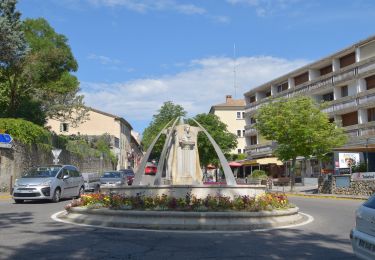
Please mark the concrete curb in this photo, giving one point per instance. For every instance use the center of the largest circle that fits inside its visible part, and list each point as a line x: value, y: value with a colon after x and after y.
x: 4, y: 197
x: 169, y: 220
x: 327, y: 196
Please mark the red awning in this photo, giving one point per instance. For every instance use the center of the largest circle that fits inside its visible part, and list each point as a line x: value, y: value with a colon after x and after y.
x: 235, y: 164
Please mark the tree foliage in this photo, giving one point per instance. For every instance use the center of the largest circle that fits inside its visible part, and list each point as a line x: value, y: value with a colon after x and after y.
x: 13, y: 45
x: 36, y: 66
x: 219, y: 132
x: 299, y: 128
x: 167, y: 112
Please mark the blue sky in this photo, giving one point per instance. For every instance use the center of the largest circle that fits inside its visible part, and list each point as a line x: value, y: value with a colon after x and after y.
x: 134, y: 55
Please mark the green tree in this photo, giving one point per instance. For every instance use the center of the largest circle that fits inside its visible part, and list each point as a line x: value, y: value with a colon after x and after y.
x: 39, y: 83
x: 219, y: 132
x: 13, y: 45
x: 166, y: 113
x: 299, y: 128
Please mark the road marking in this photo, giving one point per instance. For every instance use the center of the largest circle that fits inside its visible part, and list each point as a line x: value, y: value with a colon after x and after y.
x: 309, y: 220
x: 332, y: 197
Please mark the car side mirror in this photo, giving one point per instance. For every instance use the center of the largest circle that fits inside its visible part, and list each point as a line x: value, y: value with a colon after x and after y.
x: 66, y: 177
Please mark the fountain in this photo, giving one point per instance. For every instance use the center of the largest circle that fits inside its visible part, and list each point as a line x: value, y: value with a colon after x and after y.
x: 179, y: 177
x: 179, y: 170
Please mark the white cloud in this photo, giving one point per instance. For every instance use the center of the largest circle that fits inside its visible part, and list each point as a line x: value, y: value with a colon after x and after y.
x: 266, y: 7
x: 104, y: 60
x: 204, y: 83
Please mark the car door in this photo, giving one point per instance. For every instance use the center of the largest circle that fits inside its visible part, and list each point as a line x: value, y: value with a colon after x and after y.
x: 67, y: 183
x: 75, y: 180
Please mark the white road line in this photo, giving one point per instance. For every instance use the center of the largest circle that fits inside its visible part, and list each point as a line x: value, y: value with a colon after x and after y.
x: 309, y: 220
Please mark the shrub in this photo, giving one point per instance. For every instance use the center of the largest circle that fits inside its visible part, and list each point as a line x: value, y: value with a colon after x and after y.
x: 259, y: 174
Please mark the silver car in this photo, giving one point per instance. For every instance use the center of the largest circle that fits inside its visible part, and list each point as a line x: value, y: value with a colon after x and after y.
x: 363, y: 235
x: 51, y: 182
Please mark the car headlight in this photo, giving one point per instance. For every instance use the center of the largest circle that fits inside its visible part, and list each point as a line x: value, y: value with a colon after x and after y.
x: 46, y: 183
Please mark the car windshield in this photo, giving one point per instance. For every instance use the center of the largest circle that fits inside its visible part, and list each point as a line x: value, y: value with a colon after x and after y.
x: 42, y: 172
x: 112, y: 175
x: 370, y: 203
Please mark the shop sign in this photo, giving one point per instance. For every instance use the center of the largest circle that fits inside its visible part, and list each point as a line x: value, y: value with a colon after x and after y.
x: 346, y: 160
x: 363, y: 176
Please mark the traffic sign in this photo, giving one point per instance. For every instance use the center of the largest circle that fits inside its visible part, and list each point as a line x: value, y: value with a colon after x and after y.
x: 5, y: 139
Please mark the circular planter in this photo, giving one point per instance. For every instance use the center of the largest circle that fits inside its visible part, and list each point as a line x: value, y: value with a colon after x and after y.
x: 175, y: 220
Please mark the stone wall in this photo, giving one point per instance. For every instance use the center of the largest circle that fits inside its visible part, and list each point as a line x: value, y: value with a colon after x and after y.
x: 361, y: 188
x: 14, y: 161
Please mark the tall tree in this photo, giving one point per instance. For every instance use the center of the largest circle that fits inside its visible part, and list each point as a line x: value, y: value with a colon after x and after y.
x: 299, y: 128
x: 38, y: 83
x: 219, y: 132
x: 13, y: 45
x: 167, y: 112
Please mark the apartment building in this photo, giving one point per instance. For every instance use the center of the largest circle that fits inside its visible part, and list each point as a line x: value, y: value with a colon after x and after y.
x: 346, y: 82
x: 232, y: 114
x: 123, y: 144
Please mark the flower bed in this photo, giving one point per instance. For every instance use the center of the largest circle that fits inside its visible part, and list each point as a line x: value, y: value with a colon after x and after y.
x: 268, y: 201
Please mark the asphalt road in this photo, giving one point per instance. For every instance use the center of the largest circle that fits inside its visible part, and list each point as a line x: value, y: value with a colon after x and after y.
x: 28, y: 232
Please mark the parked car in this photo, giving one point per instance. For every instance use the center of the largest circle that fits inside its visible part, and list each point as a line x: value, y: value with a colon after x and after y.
x: 151, y: 169
x: 113, y: 178
x: 129, y: 175
x: 51, y: 182
x: 363, y: 235
x: 91, y: 181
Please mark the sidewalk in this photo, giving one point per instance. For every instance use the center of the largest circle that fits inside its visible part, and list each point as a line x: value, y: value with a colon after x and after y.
x: 312, y: 192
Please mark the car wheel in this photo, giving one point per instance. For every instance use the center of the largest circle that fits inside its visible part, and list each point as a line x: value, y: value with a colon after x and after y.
x: 81, y: 191
x: 18, y: 201
x: 56, y: 195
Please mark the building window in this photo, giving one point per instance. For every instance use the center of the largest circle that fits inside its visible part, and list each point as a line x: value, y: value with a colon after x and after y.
x: 253, y: 140
x: 117, y: 142
x: 326, y: 70
x: 238, y: 115
x: 282, y: 87
x: 268, y: 93
x: 347, y: 60
x: 238, y: 151
x: 344, y: 91
x: 239, y: 133
x: 252, y: 120
x: 301, y: 79
x: 64, y: 127
x: 327, y: 97
x: 370, y: 82
x: 243, y: 114
x: 243, y: 132
x: 349, y: 119
x: 371, y: 114
x: 331, y: 120
x: 252, y: 99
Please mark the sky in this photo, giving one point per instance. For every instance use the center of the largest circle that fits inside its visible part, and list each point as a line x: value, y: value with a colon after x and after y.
x: 134, y: 55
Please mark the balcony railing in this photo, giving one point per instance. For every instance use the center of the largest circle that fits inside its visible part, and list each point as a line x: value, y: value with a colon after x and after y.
x: 355, y: 70
x: 250, y: 132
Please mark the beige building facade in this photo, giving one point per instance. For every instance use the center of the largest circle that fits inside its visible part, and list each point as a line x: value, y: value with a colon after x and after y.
x: 123, y: 145
x: 345, y: 81
x: 232, y: 114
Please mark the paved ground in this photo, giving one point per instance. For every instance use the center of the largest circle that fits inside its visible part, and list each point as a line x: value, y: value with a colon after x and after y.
x: 28, y: 232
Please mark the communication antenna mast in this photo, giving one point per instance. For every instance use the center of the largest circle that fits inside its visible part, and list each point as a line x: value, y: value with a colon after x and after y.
x: 234, y: 70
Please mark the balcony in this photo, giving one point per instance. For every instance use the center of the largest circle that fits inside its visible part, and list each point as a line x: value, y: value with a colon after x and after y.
x: 359, y: 69
x: 260, y: 149
x: 250, y: 132
x: 340, y: 104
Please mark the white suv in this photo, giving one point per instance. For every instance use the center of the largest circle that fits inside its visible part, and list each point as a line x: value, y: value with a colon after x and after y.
x: 51, y: 182
x: 363, y: 235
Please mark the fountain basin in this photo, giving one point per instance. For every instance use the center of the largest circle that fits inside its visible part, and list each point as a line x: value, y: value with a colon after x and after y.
x: 180, y: 191
x: 175, y: 220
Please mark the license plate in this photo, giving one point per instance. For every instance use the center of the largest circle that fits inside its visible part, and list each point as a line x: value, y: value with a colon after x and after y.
x: 366, y: 245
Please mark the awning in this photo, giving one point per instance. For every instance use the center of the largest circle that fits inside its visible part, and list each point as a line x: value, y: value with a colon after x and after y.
x: 263, y: 161
x: 235, y: 164
x: 358, y: 148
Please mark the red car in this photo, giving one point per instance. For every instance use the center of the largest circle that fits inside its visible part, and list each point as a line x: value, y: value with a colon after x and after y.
x: 151, y: 169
